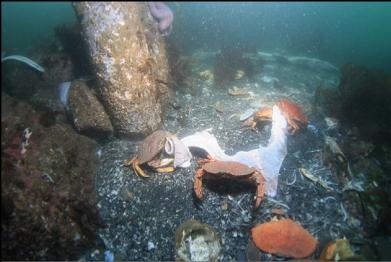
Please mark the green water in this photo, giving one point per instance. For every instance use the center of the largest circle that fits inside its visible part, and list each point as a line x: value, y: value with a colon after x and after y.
x: 338, y: 32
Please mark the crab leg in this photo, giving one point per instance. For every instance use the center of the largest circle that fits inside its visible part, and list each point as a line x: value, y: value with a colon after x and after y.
x: 198, y: 183
x: 137, y: 169
x: 207, y: 160
x: 293, y: 125
x: 260, y: 188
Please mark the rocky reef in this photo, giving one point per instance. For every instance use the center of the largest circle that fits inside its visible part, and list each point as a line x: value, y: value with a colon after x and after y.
x: 48, y: 200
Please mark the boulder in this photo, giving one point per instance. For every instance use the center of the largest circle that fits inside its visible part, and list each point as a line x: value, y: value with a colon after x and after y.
x: 89, y: 116
x: 48, y: 199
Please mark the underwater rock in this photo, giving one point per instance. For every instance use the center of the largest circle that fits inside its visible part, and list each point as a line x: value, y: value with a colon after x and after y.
x: 89, y: 116
x: 19, y: 80
x: 284, y: 238
x: 366, y: 97
x: 227, y: 64
x: 196, y: 242
x: 48, y: 195
x: 129, y: 58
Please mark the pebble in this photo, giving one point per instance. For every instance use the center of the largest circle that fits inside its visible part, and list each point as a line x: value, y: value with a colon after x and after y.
x: 150, y: 245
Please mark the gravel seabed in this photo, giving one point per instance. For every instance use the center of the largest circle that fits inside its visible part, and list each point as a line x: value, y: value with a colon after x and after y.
x: 143, y: 214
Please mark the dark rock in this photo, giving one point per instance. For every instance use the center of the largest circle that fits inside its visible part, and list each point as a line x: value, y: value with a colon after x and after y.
x: 48, y: 191
x: 18, y: 79
x: 89, y: 116
x: 366, y: 99
x: 228, y: 62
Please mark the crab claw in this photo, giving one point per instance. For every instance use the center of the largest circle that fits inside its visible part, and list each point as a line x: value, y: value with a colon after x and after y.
x: 198, y: 183
x: 137, y: 169
x: 260, y: 180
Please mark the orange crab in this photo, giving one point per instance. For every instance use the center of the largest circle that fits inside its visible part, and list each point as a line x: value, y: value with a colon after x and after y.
x: 291, y: 111
x: 231, y: 170
x: 147, y: 151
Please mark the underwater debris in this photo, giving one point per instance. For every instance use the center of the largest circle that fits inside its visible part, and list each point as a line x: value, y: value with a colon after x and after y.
x: 25, y: 60
x: 311, y: 177
x: 337, y: 250
x: 206, y: 75
x: 246, y: 114
x: 63, y: 93
x: 277, y: 202
x: 269, y: 79
x: 218, y: 106
x: 331, y: 122
x: 284, y: 238
x: 196, y: 242
x: 334, y: 157
x: 109, y: 256
x: 236, y: 91
x: 239, y: 74
x: 354, y: 185
x: 176, y: 147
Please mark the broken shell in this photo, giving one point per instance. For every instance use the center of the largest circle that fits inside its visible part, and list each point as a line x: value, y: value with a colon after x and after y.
x: 239, y: 74
x: 167, y: 169
x: 219, y: 107
x: 176, y: 147
x: 284, y: 238
x: 206, y: 75
x: 336, y: 250
x: 169, y: 146
x: 159, y: 163
x: 332, y: 151
x: 235, y: 91
x: 332, y: 123
x: 247, y: 114
x: 196, y: 242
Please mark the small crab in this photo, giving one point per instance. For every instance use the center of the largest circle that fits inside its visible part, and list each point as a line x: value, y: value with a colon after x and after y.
x: 291, y: 111
x: 231, y: 170
x: 147, y: 152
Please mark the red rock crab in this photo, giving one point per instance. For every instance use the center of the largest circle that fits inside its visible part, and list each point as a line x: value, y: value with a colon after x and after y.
x: 147, y: 152
x: 231, y: 170
x: 284, y: 237
x: 291, y: 111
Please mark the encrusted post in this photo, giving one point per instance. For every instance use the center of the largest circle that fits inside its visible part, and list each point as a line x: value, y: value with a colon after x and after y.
x: 128, y: 56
